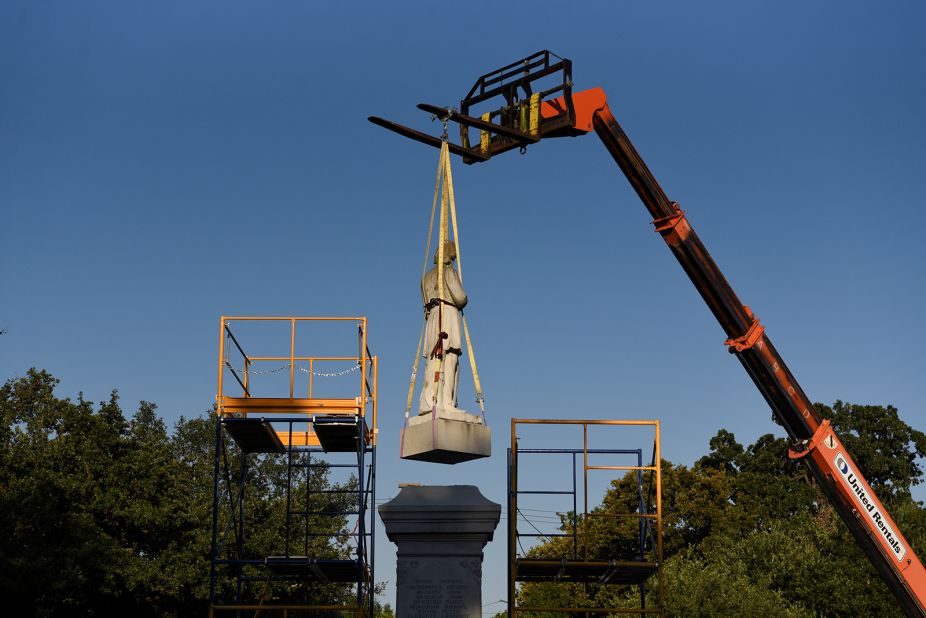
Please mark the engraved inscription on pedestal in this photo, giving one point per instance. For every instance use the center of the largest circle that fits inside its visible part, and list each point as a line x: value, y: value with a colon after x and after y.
x: 440, y: 533
x: 437, y: 587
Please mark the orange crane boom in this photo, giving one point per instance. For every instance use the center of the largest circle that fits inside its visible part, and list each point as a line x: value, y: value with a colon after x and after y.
x: 815, y: 442
x: 530, y: 114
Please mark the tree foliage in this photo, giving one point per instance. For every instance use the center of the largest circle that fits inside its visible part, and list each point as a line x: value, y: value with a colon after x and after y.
x: 748, y: 533
x: 104, y: 515
x: 886, y: 449
x: 108, y: 515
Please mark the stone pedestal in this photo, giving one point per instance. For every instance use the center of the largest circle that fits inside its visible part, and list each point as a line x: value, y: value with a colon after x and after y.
x: 440, y: 532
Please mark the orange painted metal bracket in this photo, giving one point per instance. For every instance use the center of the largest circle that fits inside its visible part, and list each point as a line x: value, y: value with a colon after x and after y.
x: 585, y: 103
x: 674, y: 228
x: 751, y: 337
x: 805, y: 447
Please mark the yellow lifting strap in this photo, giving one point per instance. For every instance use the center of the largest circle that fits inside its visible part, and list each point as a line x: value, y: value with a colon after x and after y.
x: 441, y: 245
x: 448, y: 190
x: 411, y: 382
x: 456, y: 235
x: 472, y: 363
x: 424, y: 270
x: 444, y: 188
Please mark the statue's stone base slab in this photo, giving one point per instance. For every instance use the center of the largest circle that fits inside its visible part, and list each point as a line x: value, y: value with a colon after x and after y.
x: 449, y: 437
x: 440, y: 532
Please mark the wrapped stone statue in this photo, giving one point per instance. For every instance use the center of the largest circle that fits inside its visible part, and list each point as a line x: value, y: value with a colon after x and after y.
x: 441, y: 432
x: 443, y: 341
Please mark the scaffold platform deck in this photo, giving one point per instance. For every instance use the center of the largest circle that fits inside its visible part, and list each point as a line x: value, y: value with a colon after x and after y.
x: 309, y: 569
x: 576, y: 559
x: 588, y: 571
x: 337, y: 434
x: 254, y: 435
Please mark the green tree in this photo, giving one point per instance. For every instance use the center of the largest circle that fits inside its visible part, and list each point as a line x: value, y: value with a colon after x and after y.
x: 57, y: 557
x: 886, y: 449
x: 748, y: 533
x: 107, y: 516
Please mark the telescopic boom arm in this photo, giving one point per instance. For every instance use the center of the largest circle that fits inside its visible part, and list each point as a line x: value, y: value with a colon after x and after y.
x: 528, y: 116
x: 815, y: 442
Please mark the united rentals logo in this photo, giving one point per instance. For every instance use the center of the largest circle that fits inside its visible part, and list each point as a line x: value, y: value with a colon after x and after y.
x: 866, y: 502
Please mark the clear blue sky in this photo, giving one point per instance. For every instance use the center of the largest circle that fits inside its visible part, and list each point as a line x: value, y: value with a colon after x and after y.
x: 164, y: 163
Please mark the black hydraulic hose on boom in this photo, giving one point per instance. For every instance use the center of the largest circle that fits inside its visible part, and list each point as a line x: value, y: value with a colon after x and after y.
x: 748, y: 341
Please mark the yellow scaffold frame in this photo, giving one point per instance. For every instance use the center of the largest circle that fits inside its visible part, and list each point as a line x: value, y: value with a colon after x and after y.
x: 586, y: 562
x: 245, y: 404
x: 291, y: 408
